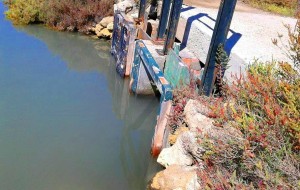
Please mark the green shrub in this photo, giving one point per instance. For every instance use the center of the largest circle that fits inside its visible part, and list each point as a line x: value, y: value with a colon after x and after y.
x: 76, y: 14
x: 264, y: 105
x: 25, y: 11
x: 60, y: 14
x: 283, y: 7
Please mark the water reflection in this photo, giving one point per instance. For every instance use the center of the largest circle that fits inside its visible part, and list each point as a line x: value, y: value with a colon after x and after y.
x: 136, y: 114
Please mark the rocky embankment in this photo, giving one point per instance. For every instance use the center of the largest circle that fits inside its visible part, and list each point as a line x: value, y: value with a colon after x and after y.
x: 104, y: 28
x: 184, y: 159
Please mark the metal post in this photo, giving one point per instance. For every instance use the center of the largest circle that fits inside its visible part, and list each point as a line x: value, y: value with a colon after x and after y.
x: 222, y: 26
x: 142, y: 10
x: 165, y: 10
x: 173, y: 23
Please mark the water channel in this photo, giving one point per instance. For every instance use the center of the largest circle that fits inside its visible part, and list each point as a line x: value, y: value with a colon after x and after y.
x: 67, y: 121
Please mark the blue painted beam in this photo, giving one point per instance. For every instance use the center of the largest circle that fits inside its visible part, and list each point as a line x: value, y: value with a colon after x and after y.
x: 220, y: 33
x: 142, y: 55
x: 142, y: 10
x: 173, y: 23
x: 163, y: 22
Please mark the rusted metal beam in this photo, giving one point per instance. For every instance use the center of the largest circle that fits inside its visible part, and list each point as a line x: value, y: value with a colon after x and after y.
x: 142, y: 10
x: 164, y: 16
x: 173, y: 23
x: 220, y: 33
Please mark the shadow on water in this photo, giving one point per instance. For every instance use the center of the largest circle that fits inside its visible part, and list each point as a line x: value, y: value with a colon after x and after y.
x: 81, y: 54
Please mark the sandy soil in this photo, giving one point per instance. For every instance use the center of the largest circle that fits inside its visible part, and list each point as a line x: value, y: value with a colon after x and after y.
x: 214, y: 4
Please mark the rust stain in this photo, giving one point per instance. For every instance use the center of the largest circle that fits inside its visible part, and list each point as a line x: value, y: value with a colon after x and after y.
x: 141, y: 44
x: 163, y: 80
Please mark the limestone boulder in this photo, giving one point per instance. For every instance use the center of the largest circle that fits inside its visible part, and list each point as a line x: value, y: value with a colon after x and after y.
x: 106, y: 20
x: 97, y: 29
x: 202, y: 125
x: 178, y: 153
x: 110, y: 26
x: 195, y: 118
x: 104, y: 33
x: 173, y: 137
x: 175, y: 177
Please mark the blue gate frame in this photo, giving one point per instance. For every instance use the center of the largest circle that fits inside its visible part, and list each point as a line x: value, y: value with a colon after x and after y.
x: 124, y: 35
x: 144, y: 57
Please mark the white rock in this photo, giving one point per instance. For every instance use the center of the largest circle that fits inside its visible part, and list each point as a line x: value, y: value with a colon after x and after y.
x: 106, y: 20
x: 195, y: 119
x: 175, y: 177
x: 105, y: 33
x: 110, y: 26
x: 98, y: 28
x: 177, y: 154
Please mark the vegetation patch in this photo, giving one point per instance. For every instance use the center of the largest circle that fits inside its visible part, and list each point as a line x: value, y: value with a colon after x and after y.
x: 282, y: 7
x: 264, y: 106
x: 71, y: 15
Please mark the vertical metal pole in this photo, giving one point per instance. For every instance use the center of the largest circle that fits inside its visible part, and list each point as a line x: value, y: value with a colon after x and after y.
x: 165, y: 10
x: 173, y: 23
x: 142, y: 10
x: 222, y: 26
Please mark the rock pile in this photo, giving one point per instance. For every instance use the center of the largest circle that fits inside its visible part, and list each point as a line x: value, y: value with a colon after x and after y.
x: 104, y: 28
x: 179, y: 159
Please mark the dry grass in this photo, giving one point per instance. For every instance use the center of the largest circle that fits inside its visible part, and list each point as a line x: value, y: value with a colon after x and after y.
x: 282, y: 7
x: 69, y: 15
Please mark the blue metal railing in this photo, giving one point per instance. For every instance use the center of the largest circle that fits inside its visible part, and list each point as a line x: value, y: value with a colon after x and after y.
x: 143, y: 57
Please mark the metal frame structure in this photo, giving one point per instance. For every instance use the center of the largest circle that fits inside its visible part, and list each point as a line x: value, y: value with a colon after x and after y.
x: 220, y: 33
x: 172, y: 27
x: 164, y: 18
x: 122, y: 46
x: 169, y: 22
x: 143, y: 57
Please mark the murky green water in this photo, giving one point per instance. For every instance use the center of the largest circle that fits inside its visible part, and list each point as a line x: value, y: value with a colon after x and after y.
x: 67, y: 121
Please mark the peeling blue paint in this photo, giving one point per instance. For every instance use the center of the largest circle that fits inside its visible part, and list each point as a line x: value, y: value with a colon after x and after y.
x: 142, y: 55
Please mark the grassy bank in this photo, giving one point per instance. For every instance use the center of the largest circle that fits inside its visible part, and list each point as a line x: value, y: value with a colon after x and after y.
x: 71, y: 15
x: 282, y: 7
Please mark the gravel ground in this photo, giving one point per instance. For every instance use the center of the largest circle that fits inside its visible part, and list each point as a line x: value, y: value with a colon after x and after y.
x: 241, y: 7
x: 257, y: 28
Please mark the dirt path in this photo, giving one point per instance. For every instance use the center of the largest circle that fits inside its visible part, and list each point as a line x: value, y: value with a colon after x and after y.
x: 241, y: 7
x: 251, y: 34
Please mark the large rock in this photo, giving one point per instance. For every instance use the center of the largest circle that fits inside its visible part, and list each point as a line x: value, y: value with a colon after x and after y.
x: 178, y: 153
x: 106, y: 20
x: 195, y: 118
x: 175, y: 177
x: 98, y: 29
x: 179, y: 131
x: 105, y: 33
x: 202, y: 125
x: 110, y: 26
x: 126, y: 5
